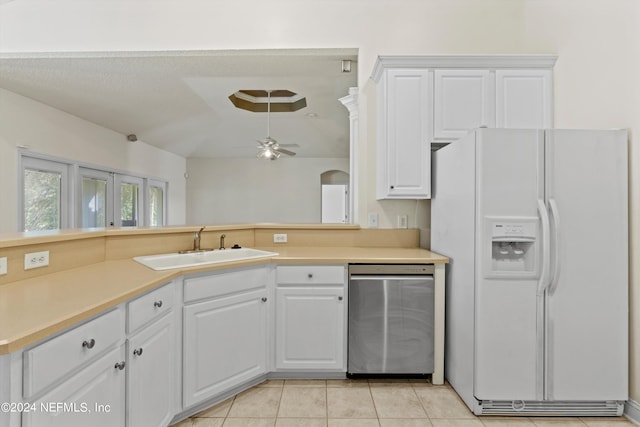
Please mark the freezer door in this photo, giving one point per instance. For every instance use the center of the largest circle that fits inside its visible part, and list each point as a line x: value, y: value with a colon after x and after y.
x: 390, y: 325
x: 587, y: 324
x: 508, y: 335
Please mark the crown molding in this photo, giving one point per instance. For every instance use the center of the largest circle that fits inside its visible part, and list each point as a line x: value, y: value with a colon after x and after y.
x: 461, y: 61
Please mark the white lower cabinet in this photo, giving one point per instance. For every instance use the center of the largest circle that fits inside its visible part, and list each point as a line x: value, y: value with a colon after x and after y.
x: 89, y: 376
x: 310, y: 318
x: 151, y: 375
x: 94, y: 397
x: 225, y: 336
x: 124, y: 368
x: 309, y: 328
x: 151, y: 359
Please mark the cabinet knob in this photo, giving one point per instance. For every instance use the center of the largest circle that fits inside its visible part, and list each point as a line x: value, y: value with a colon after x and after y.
x: 157, y: 304
x: 120, y: 365
x: 391, y: 187
x: 310, y: 275
x: 340, y: 298
x: 138, y: 351
x: 89, y: 344
x: 264, y: 299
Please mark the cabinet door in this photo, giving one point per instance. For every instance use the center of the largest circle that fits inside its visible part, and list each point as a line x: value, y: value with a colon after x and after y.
x: 310, y: 328
x: 151, y: 379
x: 404, y: 136
x: 523, y: 99
x: 225, y: 344
x: 94, y: 397
x: 463, y: 100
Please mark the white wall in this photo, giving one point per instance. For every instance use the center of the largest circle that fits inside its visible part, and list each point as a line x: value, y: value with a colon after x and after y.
x: 223, y: 191
x: 596, y: 82
x: 46, y: 130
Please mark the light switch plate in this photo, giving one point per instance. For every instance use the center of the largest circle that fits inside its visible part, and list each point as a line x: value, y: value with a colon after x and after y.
x: 403, y: 221
x: 373, y: 220
x: 3, y: 265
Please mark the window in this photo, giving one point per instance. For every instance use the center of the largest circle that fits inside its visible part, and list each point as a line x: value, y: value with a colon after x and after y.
x: 129, y: 209
x: 55, y: 194
x: 45, y: 195
x: 96, y: 198
x: 156, y: 202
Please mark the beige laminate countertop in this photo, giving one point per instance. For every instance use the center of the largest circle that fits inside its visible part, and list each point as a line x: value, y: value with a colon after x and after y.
x: 36, y: 308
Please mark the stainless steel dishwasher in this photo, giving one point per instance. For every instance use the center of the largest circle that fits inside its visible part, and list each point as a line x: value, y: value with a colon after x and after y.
x: 390, y: 320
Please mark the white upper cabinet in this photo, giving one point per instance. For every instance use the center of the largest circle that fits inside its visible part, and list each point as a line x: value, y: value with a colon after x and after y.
x: 463, y: 100
x: 404, y: 127
x: 523, y: 99
x: 437, y: 99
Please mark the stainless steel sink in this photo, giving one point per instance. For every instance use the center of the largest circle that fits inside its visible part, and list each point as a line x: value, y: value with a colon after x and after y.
x: 201, y: 257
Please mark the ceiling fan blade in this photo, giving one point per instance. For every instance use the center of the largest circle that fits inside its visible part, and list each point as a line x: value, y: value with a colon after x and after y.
x: 285, y: 151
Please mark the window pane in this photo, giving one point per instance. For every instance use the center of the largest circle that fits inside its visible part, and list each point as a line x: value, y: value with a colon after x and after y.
x: 94, y: 207
x: 156, y: 206
x: 42, y: 193
x: 129, y: 204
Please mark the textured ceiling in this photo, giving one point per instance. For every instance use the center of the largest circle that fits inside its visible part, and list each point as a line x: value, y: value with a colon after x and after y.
x: 178, y: 100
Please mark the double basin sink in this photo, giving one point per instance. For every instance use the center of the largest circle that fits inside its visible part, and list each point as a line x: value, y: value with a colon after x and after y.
x: 197, y: 258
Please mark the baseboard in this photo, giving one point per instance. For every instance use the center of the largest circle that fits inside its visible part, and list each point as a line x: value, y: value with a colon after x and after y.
x: 632, y: 411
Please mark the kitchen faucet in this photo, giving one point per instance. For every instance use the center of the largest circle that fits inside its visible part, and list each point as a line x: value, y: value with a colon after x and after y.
x: 222, y: 241
x: 196, y: 239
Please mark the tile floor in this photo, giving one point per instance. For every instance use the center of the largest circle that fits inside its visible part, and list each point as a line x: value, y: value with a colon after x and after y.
x: 362, y: 403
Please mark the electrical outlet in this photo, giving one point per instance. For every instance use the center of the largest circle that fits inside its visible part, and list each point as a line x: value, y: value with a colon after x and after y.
x: 403, y: 221
x: 279, y: 238
x: 36, y: 260
x: 373, y: 220
x: 3, y: 265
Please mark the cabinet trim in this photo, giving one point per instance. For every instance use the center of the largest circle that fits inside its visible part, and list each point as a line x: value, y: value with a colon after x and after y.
x: 460, y: 61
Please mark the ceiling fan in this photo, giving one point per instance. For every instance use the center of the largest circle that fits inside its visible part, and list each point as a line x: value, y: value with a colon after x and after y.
x: 269, y: 147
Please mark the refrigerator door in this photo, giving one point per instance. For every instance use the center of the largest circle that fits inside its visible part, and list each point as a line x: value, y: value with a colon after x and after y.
x: 586, y: 186
x: 508, y: 315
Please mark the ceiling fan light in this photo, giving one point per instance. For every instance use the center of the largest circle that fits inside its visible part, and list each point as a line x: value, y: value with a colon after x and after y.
x: 272, y: 154
x: 268, y: 153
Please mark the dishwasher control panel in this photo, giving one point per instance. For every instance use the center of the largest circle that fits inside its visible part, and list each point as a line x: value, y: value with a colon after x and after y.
x: 409, y: 269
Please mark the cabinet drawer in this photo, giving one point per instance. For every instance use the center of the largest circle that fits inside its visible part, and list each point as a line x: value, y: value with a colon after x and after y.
x: 149, y: 307
x: 224, y: 283
x: 52, y: 360
x: 313, y: 275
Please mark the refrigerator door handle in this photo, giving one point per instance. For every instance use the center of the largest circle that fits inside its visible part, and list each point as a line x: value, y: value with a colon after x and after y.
x: 556, y: 241
x: 543, y: 283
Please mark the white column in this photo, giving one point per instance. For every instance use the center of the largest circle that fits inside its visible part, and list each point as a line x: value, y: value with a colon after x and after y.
x: 351, y: 103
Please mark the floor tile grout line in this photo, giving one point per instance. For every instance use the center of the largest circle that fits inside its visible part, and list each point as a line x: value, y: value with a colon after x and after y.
x: 279, y: 403
x: 413, y: 387
x: 326, y: 402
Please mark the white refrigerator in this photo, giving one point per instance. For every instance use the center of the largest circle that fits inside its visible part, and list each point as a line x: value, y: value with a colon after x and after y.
x: 535, y: 224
